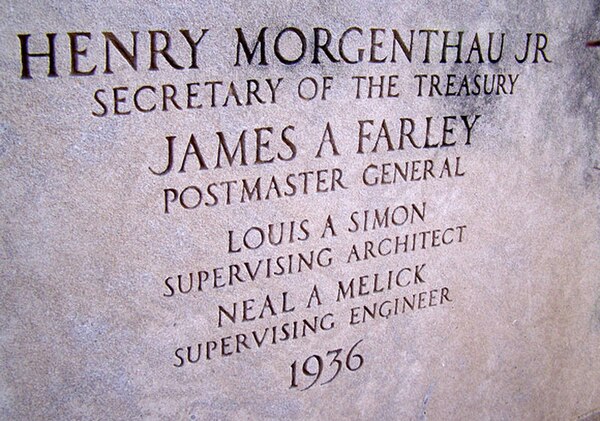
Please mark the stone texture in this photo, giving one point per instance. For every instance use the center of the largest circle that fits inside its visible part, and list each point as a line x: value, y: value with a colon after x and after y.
x: 86, y: 329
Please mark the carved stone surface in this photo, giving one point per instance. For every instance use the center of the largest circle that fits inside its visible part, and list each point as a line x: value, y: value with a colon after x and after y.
x: 315, y: 210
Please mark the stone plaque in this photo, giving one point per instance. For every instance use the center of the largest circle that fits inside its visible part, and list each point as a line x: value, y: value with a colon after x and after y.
x: 285, y: 210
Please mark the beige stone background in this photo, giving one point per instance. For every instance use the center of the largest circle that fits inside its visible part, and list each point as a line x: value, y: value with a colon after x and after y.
x: 85, y: 332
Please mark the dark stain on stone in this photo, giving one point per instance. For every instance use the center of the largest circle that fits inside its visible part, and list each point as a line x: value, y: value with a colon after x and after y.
x: 591, y: 416
x: 585, y: 85
x: 422, y: 416
x: 596, y: 315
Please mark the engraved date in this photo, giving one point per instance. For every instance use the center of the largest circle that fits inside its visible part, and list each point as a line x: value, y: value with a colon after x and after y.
x: 313, y: 368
